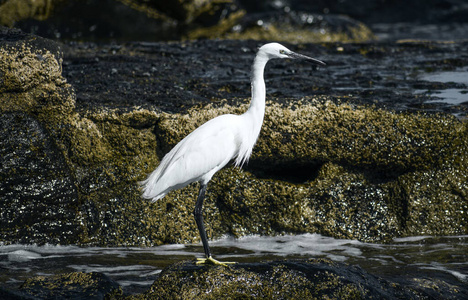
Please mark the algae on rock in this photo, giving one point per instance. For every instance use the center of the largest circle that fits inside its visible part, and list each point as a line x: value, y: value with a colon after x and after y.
x: 76, y: 285
x: 319, y: 166
x: 66, y: 159
x: 353, y: 160
x: 312, y: 279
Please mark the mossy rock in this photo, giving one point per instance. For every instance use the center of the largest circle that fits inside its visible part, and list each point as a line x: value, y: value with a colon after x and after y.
x: 312, y: 279
x: 31, y: 75
x: 356, y: 174
x: 12, y: 11
x: 285, y: 279
x: 319, y: 166
x: 330, y: 28
x: 76, y: 285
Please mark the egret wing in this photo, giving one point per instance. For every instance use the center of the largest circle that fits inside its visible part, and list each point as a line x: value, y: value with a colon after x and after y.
x: 196, y: 158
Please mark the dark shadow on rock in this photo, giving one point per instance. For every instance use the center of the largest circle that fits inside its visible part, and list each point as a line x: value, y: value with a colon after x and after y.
x: 292, y: 172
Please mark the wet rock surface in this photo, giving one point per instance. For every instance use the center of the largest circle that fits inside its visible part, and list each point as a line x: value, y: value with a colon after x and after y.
x: 177, y: 76
x: 75, y: 285
x: 300, y: 21
x: 345, y: 151
x: 308, y: 279
x: 175, y: 20
x: 312, y: 279
x: 36, y: 181
x: 357, y: 150
x: 286, y: 279
x: 36, y: 184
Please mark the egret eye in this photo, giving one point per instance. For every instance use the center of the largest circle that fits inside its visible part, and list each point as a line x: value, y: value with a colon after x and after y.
x: 282, y: 51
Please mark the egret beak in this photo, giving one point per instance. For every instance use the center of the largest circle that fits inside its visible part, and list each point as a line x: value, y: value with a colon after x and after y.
x: 295, y: 55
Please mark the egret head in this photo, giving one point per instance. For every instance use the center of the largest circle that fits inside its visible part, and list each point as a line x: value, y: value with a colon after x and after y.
x: 275, y: 50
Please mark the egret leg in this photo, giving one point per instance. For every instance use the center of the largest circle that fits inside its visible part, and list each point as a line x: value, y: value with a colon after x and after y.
x: 198, y: 214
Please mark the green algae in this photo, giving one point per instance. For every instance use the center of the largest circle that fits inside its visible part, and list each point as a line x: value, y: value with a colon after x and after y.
x: 312, y: 279
x: 366, y: 157
x: 71, y: 285
x: 363, y: 159
x: 12, y: 11
x: 362, y: 137
x: 287, y: 33
x: 365, y: 173
x: 368, y: 164
x: 185, y: 11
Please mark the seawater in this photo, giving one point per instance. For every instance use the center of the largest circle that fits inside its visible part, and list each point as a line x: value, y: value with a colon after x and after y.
x: 451, y: 96
x: 135, y: 269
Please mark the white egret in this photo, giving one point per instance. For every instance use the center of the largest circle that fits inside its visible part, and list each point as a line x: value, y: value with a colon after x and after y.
x: 211, y: 146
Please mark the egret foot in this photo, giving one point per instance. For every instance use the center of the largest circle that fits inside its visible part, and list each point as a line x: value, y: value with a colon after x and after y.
x: 211, y: 260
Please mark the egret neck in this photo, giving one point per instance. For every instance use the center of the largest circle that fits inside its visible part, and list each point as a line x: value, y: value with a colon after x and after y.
x: 253, y: 117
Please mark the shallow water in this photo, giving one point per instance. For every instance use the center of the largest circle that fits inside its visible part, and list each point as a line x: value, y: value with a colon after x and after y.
x: 451, y: 96
x: 135, y: 269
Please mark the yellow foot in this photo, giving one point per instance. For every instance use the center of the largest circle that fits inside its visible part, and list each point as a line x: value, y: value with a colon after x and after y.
x: 211, y: 260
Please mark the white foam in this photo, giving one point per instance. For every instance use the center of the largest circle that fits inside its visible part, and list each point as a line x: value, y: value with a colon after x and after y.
x: 126, y: 283
x: 54, y: 251
x: 22, y: 256
x: 303, y: 245
x: 133, y: 263
x: 439, y: 267
x: 155, y: 272
x: 411, y: 239
x: 128, y: 270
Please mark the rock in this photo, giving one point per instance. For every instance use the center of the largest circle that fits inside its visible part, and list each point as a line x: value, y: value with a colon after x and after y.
x: 141, y: 20
x: 293, y: 21
x: 286, y: 279
x: 14, y: 295
x: 185, y: 11
x: 147, y: 20
x: 310, y: 279
x: 37, y: 190
x: 12, y: 11
x: 75, y: 285
x: 370, y: 196
x: 370, y: 164
x: 32, y: 68
x: 299, y: 27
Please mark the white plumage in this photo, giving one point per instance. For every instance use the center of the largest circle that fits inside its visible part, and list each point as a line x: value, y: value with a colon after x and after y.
x: 197, y: 157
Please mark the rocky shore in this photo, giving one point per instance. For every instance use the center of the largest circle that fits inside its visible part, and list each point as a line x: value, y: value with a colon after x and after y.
x: 290, y: 279
x: 82, y: 124
x: 351, y: 150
